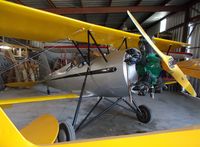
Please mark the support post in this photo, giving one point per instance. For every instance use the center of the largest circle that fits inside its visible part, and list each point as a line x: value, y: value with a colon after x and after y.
x: 88, y: 37
x: 185, y: 27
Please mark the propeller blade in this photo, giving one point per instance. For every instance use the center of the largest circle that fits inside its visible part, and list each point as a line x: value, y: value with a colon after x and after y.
x: 169, y: 65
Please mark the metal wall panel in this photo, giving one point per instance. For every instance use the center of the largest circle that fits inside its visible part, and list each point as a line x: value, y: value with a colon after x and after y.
x: 175, y: 19
x: 195, y: 42
x: 195, y: 10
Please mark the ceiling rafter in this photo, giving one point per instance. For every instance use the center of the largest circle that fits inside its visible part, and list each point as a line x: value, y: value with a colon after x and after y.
x: 106, y: 18
x: 103, y: 10
x: 51, y: 3
x: 126, y: 18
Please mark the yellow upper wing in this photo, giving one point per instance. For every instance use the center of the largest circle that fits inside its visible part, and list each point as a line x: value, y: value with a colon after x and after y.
x: 190, y: 67
x: 164, y: 44
x: 27, y: 23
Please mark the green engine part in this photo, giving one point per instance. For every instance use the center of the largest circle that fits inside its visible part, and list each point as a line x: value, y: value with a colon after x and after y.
x: 152, y: 68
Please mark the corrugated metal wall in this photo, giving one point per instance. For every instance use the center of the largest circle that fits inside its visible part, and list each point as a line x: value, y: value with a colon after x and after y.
x: 195, y: 42
x: 173, y: 21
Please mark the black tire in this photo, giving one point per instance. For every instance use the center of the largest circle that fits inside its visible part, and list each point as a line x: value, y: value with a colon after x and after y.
x: 66, y: 132
x: 145, y: 117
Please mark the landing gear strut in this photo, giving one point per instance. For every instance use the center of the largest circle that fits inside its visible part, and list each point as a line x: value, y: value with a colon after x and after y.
x: 142, y: 112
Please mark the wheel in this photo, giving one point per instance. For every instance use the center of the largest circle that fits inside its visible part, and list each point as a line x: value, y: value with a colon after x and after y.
x: 66, y: 132
x: 145, y: 117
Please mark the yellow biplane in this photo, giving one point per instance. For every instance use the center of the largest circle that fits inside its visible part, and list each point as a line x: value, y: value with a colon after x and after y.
x: 119, y: 68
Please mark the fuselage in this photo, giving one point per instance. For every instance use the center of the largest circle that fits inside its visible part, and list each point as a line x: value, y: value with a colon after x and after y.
x: 107, y: 79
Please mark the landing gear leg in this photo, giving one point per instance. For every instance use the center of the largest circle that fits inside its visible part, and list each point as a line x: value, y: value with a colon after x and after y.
x: 48, y: 90
x: 142, y: 112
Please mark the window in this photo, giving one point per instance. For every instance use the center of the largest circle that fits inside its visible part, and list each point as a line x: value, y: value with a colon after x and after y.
x: 163, y: 24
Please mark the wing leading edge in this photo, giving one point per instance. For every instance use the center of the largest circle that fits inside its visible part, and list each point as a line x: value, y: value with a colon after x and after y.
x: 11, y: 101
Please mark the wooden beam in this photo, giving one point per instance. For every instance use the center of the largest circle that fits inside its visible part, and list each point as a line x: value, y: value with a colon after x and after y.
x: 51, y: 3
x: 103, y: 10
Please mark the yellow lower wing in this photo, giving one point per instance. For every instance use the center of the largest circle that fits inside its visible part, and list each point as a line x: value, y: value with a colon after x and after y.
x: 11, y: 137
x: 21, y: 84
x: 9, y: 101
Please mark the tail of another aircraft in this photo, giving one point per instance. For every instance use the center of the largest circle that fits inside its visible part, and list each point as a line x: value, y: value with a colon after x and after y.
x: 44, y: 67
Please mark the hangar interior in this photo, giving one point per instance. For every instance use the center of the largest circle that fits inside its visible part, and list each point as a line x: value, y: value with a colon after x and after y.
x: 176, y: 20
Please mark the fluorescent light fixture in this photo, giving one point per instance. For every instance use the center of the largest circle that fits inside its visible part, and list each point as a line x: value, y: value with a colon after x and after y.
x: 163, y: 24
x: 5, y: 47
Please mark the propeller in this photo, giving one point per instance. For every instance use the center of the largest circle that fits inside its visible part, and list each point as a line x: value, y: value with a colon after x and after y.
x: 168, y: 61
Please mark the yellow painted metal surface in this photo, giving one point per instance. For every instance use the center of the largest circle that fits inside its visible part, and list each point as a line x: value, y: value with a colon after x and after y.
x: 9, y: 101
x: 6, y: 106
x: 33, y: 24
x: 21, y: 84
x: 190, y: 67
x: 170, y: 82
x: 11, y: 137
x: 43, y: 130
x: 175, y: 71
x: 164, y: 44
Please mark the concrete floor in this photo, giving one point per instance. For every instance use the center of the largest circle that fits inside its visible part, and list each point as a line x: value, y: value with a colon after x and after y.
x: 169, y: 110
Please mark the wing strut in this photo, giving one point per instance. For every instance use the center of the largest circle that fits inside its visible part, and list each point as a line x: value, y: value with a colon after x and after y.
x: 124, y: 41
x: 92, y: 37
x: 80, y: 99
x: 77, y: 47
